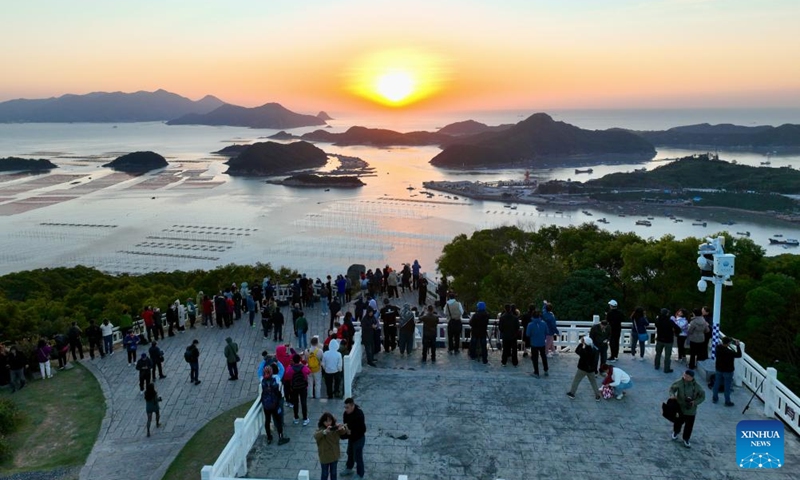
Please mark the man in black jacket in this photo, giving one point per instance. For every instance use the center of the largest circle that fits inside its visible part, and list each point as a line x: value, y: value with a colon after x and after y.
x: 354, y: 419
x: 157, y: 359
x: 95, y: 336
x: 666, y: 330
x: 144, y: 366
x: 615, y: 319
x: 509, y: 328
x: 192, y: 356
x: 74, y: 334
x: 586, y: 365
x: 479, y: 325
x: 16, y: 364
x: 725, y: 356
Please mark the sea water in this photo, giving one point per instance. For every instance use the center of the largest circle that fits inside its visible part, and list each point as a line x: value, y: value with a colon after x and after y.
x: 137, y: 227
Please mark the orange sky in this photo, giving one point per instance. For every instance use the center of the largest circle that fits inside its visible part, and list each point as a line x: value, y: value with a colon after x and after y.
x: 311, y: 55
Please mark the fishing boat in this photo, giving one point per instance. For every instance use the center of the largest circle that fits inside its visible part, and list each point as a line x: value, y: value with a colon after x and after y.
x: 789, y: 241
x: 745, y: 234
x: 587, y: 213
x: 588, y: 170
x: 645, y: 223
x: 699, y: 224
x: 602, y: 220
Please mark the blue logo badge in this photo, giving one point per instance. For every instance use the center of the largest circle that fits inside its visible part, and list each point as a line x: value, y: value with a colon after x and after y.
x: 759, y: 444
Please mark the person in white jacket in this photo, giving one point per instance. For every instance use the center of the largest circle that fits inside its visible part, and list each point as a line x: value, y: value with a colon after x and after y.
x: 181, y: 316
x: 332, y: 367
x: 618, y: 379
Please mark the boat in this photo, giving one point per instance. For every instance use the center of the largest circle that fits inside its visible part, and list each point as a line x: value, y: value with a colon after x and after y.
x: 508, y: 205
x: 746, y: 234
x: 513, y: 207
x: 789, y: 241
x: 587, y: 213
x: 643, y: 169
x: 559, y: 212
x: 539, y: 209
x: 327, y: 189
x: 699, y: 224
x: 588, y: 170
x: 767, y: 163
x: 651, y: 218
x: 602, y: 220
x: 410, y: 188
x: 645, y: 223
x: 778, y: 235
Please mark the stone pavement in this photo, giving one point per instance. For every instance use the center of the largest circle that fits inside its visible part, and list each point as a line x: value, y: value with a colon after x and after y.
x: 459, y: 419
x: 122, y: 449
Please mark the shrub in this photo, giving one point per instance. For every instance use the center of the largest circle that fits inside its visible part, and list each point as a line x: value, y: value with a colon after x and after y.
x: 10, y: 417
x: 5, y: 449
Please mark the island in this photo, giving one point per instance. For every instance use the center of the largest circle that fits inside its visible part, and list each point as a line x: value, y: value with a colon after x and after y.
x: 16, y: 164
x: 376, y: 137
x: 324, y: 116
x: 699, y: 181
x: 763, y: 137
x: 272, y: 158
x: 540, y: 141
x: 138, y: 162
x: 316, y: 181
x: 283, y: 135
x: 470, y: 127
x: 269, y: 115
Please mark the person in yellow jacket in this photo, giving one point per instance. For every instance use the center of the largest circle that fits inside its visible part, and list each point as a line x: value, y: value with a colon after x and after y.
x: 314, y: 361
x: 328, y: 436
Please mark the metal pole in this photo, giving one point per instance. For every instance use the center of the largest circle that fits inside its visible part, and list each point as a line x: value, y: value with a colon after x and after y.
x: 715, y: 340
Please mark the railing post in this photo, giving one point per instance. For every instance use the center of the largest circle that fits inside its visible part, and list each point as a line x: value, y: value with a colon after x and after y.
x: 739, y: 367
x: 303, y: 475
x: 238, y: 437
x: 402, y: 477
x: 770, y: 401
x: 205, y: 473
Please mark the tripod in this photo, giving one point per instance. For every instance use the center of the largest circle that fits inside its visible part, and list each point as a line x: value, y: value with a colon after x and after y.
x: 754, y: 394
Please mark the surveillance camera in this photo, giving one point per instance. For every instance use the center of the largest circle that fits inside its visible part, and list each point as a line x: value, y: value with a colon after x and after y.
x: 701, y: 286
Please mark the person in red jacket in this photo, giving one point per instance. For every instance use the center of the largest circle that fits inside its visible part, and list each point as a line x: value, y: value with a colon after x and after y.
x: 147, y: 316
x: 208, y: 312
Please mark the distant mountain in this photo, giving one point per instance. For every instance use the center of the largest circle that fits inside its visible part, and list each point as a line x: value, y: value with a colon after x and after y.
x: 105, y: 107
x: 138, y: 162
x: 271, y: 158
x: 377, y: 137
x: 283, y: 135
x: 539, y: 139
x: 270, y: 115
x: 470, y: 127
x: 16, y: 164
x: 726, y: 135
x: 324, y: 116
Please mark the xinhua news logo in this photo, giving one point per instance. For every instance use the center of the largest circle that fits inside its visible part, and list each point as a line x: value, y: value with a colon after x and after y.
x: 759, y: 444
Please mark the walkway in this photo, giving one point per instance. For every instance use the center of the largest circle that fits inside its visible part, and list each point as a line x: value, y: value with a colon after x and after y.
x: 122, y: 448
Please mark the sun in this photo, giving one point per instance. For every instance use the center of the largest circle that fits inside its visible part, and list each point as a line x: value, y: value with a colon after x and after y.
x: 395, y: 86
x: 395, y: 78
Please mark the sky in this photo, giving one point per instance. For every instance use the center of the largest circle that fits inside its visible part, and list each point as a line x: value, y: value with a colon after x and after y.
x: 449, y: 55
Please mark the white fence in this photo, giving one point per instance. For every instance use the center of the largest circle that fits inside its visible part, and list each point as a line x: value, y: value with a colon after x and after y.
x: 778, y: 400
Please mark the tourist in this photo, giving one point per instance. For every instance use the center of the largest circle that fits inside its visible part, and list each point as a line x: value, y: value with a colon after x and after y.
x: 346, y: 329
x: 479, y: 326
x: 107, y: 330
x: 157, y: 359
x: 407, y: 330
x: 423, y: 291
x: 149, y: 325
x: 615, y: 318
x: 586, y: 368
x: 415, y: 269
x: 332, y: 367
x: 405, y: 278
x: 392, y: 281
x: 17, y: 363
x: 617, y: 379
x: 237, y: 302
x: 297, y: 312
x: 277, y: 325
x: 369, y: 325
x: 266, y: 361
x: 689, y: 395
x: 359, y: 307
x: 158, y: 324
x: 95, y: 337
x: 62, y: 349
x: 43, y: 351
x: 430, y: 325
x: 509, y: 328
x: 152, y: 406
x: 600, y: 334
x: 453, y: 311
x: 324, y: 297
x: 208, y: 312
x: 231, y: 353
x: 130, y: 342
x: 389, y: 314
x: 353, y: 418
x: 683, y: 337
x: 144, y: 366
x: 552, y: 328
x: 335, y: 308
x: 191, y: 311
x: 639, y: 335
x: 74, y: 334
x: 272, y: 404
x: 524, y: 320
x: 666, y: 330
x: 725, y: 356
x: 697, y: 332
x: 706, y: 313
x: 220, y: 309
x: 230, y: 307
x: 181, y: 316
x: 192, y: 357
x: 314, y: 360
x: 301, y: 331
x: 297, y: 376
x: 251, y: 310
x: 172, y: 319
x: 327, y: 437
x: 537, y: 332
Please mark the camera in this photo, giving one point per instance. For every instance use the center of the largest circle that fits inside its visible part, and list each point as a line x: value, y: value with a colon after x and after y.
x: 689, y: 401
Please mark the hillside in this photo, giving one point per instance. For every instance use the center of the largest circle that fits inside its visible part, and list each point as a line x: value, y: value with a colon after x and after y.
x: 269, y: 115
x: 16, y: 164
x: 270, y: 158
x: 309, y: 180
x: 701, y: 172
x: 470, y: 127
x: 105, y: 107
x: 376, y: 137
x: 540, y: 140
x: 138, y: 162
x: 726, y: 135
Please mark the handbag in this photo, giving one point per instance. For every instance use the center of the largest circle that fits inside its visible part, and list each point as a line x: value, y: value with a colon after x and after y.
x: 671, y: 410
x: 608, y: 391
x: 237, y: 358
x: 644, y: 337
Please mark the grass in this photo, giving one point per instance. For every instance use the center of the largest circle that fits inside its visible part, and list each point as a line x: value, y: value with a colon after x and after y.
x: 206, y: 445
x: 62, y: 418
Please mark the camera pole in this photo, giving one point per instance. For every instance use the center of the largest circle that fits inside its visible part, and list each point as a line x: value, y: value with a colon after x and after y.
x: 754, y: 394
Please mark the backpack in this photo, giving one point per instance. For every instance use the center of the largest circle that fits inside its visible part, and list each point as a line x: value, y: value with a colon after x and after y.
x: 270, y: 395
x: 313, y: 360
x: 188, y: 355
x: 299, y: 381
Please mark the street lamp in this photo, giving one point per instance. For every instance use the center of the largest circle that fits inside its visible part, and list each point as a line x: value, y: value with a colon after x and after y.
x: 716, y: 267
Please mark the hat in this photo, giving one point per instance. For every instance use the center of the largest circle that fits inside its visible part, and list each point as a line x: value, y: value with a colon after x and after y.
x: 481, y: 306
x: 689, y: 372
x: 588, y: 341
x: 612, y: 303
x: 144, y: 355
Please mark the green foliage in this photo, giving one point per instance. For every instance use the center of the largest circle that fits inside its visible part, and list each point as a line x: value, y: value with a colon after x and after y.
x: 10, y: 416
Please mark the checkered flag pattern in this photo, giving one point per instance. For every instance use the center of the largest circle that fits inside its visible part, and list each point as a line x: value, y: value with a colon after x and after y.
x: 715, y: 340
